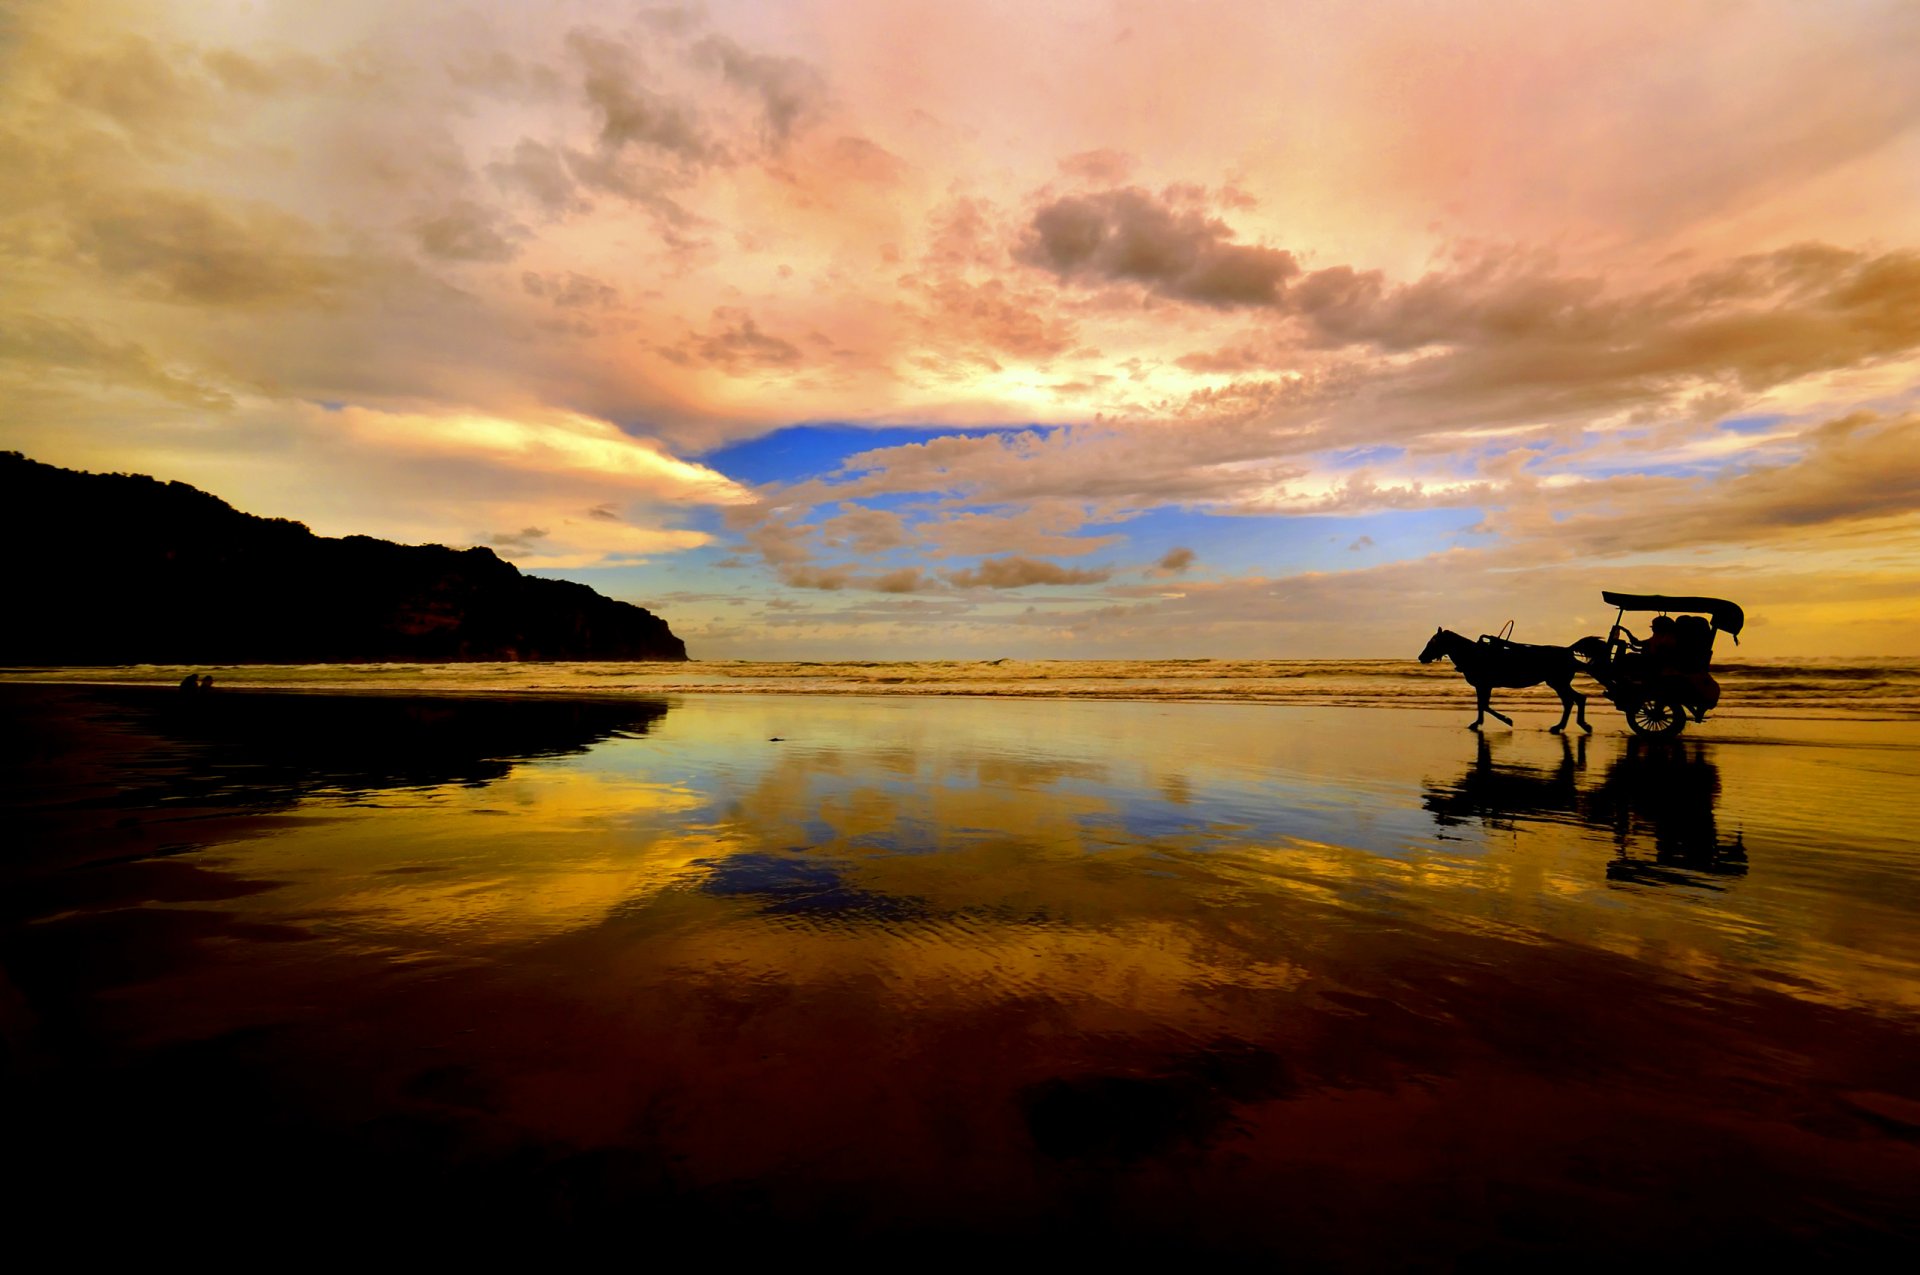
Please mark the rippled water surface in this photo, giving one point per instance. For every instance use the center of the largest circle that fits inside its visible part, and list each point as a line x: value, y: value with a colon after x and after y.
x: 1220, y: 976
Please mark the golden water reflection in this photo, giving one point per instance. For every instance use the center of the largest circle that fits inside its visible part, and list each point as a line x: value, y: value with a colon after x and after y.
x: 914, y: 841
x: 950, y: 958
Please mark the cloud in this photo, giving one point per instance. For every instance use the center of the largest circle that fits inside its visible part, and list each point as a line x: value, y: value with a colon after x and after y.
x: 739, y: 345
x: 467, y: 231
x: 1050, y: 527
x: 539, y: 171
x: 551, y: 443
x: 1131, y: 236
x: 1360, y: 543
x: 1018, y: 573
x: 900, y: 580
x: 491, y: 233
x: 38, y: 349
x: 191, y: 250
x: 631, y: 114
x: 522, y: 540
x: 1856, y: 472
x: 789, y: 91
x: 861, y: 530
x: 865, y: 160
x: 570, y: 290
x: 994, y: 316
x: 1174, y: 562
x: 1102, y: 167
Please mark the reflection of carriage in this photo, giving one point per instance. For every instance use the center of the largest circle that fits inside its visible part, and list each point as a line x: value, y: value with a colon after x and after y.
x: 1662, y: 680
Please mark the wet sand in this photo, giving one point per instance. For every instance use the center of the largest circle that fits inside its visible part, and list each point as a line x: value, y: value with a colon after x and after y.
x: 778, y: 974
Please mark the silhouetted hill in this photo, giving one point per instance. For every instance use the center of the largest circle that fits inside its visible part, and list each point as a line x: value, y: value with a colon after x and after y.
x: 124, y: 569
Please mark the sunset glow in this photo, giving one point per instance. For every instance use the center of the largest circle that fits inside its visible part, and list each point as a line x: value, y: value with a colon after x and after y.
x: 895, y: 329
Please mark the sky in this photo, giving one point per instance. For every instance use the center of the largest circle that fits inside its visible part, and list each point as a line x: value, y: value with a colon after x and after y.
x: 881, y: 329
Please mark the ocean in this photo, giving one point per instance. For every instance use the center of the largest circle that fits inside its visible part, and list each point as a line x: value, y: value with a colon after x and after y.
x: 1778, y: 688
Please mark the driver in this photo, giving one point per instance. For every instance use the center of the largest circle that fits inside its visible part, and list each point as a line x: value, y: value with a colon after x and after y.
x: 1662, y: 649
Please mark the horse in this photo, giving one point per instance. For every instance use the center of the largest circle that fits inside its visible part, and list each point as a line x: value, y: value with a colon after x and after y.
x: 1486, y: 665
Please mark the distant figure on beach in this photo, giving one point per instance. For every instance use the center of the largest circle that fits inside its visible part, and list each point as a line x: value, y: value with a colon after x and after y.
x: 206, y: 681
x: 190, y: 683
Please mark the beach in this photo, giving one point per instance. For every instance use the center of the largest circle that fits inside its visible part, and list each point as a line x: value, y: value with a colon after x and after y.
x: 1090, y: 961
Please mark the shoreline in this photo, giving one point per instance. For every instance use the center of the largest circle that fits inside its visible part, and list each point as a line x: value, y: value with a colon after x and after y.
x: 1784, y: 692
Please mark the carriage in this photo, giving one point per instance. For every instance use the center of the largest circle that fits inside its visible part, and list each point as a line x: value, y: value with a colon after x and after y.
x: 1662, y: 680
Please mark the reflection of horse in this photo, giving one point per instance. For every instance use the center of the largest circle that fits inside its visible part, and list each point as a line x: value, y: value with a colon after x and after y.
x: 1486, y: 665
x: 1496, y: 795
x: 1663, y: 794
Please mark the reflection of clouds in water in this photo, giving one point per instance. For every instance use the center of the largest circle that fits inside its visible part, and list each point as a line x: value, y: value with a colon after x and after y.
x: 1164, y: 969
x: 552, y: 847
x: 1124, y: 847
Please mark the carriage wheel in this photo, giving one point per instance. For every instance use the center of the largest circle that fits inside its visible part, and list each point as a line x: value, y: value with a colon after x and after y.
x: 1656, y: 720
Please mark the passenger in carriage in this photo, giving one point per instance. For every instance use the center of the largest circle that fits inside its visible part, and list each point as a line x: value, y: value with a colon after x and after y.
x: 1695, y: 638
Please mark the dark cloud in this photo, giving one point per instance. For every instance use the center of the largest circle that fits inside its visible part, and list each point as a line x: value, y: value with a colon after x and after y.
x: 571, y: 290
x: 1175, y: 561
x: 604, y: 513
x: 467, y: 231
x: 184, y: 248
x: 902, y: 580
x: 787, y: 89
x: 521, y: 541
x: 1360, y: 543
x: 1172, y: 249
x: 1540, y: 348
x: 737, y: 346
x: 133, y: 84
x: 1017, y: 573
x: 630, y: 113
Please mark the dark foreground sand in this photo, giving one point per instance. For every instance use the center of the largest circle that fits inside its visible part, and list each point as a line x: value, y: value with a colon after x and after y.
x: 935, y: 981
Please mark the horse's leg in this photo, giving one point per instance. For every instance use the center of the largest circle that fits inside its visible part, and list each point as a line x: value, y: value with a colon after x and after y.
x: 1485, y: 707
x: 1566, y: 693
x: 1573, y: 698
x: 1480, y: 692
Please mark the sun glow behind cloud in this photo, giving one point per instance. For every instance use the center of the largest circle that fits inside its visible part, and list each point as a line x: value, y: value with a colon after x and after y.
x: 1372, y: 311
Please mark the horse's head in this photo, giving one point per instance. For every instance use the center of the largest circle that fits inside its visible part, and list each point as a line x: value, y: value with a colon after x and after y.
x: 1436, y: 647
x: 1591, y: 649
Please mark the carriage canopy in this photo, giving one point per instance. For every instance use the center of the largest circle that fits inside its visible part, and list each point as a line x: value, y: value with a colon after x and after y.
x: 1727, y: 616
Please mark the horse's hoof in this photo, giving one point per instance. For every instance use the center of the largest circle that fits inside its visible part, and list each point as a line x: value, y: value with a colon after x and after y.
x: 1586, y: 728
x: 1556, y: 730
x: 1473, y: 725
